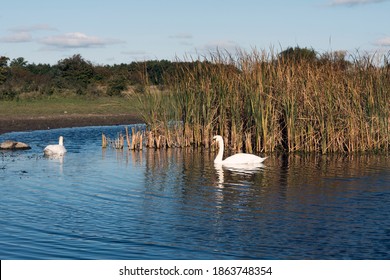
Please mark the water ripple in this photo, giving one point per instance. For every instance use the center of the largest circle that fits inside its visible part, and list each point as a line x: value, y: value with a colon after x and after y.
x: 174, y: 204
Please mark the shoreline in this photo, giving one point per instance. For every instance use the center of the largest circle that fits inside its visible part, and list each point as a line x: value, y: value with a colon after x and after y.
x: 17, y: 123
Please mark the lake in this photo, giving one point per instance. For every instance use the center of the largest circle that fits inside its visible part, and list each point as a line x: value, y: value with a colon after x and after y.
x: 99, y: 203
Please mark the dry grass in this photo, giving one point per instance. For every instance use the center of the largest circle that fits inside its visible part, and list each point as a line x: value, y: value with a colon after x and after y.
x: 134, y: 140
x: 261, y: 103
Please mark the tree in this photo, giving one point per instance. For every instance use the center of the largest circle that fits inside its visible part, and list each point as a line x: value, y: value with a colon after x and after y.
x: 3, y: 68
x: 18, y: 62
x: 298, y: 54
x: 116, y: 86
x: 336, y: 59
x: 76, y: 70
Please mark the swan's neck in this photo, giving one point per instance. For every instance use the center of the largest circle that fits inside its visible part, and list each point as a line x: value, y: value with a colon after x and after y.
x: 218, y: 158
x: 61, y: 141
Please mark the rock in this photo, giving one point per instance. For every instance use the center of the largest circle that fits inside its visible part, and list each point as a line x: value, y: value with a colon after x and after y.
x: 14, y: 145
x: 7, y: 145
x: 22, y: 146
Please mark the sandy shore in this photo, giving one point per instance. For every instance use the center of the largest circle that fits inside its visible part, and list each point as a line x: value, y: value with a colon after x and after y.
x: 15, y: 123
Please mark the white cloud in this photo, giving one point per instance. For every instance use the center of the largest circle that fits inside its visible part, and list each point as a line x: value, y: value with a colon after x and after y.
x: 184, y: 39
x: 32, y: 28
x: 228, y: 45
x: 181, y: 36
x: 137, y: 55
x: 353, y: 2
x: 134, y: 52
x: 23, y: 34
x: 17, y: 37
x: 383, y: 42
x: 77, y: 40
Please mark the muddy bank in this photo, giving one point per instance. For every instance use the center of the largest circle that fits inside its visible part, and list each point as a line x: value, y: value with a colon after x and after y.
x: 15, y: 123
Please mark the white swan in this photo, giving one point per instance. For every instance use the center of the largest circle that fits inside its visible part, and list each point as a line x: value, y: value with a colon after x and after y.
x: 55, y: 150
x: 236, y: 159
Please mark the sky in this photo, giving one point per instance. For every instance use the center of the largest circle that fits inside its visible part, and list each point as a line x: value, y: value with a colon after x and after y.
x: 122, y: 31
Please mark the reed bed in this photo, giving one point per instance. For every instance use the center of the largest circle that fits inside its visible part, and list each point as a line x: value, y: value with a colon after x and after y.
x: 134, y: 141
x: 263, y: 103
x: 117, y: 143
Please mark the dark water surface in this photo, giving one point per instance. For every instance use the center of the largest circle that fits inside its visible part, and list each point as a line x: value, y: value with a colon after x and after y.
x: 109, y: 204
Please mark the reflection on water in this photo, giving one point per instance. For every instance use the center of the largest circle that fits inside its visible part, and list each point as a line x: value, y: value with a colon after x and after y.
x: 246, y: 169
x: 176, y: 204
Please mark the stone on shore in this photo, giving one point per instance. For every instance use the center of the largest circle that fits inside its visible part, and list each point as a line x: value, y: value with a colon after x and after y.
x: 14, y: 145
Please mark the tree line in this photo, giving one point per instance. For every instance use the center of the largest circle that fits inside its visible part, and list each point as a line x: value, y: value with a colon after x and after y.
x: 76, y: 75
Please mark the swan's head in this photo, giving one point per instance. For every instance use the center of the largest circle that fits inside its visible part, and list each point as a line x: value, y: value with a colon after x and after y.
x: 61, y: 141
x: 218, y: 139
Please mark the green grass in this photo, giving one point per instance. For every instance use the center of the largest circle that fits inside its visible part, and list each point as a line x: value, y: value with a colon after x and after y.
x: 70, y: 105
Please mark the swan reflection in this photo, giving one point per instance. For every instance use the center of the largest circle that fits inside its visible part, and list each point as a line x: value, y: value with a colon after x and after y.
x: 240, y: 169
x: 58, y: 159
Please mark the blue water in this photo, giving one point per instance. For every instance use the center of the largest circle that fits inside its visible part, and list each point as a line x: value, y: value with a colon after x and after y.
x: 174, y: 204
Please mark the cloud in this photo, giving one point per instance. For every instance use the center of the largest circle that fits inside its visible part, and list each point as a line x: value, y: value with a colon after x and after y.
x: 77, y: 40
x: 17, y: 37
x: 383, y: 42
x: 137, y: 55
x: 227, y: 45
x: 353, y: 2
x: 32, y: 28
x: 181, y: 36
x: 134, y: 52
x: 23, y: 34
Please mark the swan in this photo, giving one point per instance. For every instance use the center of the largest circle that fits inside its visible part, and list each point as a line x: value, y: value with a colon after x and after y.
x: 55, y: 150
x: 237, y: 159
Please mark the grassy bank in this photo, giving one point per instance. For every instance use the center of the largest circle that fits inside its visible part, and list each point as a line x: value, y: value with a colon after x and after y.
x: 55, y: 106
x: 262, y: 102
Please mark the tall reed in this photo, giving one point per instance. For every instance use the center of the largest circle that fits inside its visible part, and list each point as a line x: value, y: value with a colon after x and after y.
x: 261, y: 102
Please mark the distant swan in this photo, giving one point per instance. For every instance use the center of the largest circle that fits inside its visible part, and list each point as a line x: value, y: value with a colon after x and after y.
x: 55, y: 150
x: 236, y: 159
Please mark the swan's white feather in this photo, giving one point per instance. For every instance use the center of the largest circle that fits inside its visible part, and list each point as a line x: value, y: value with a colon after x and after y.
x: 242, y: 158
x: 55, y: 150
x: 237, y: 159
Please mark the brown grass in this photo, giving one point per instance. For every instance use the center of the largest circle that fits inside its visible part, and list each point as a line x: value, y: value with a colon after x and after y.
x: 261, y: 103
